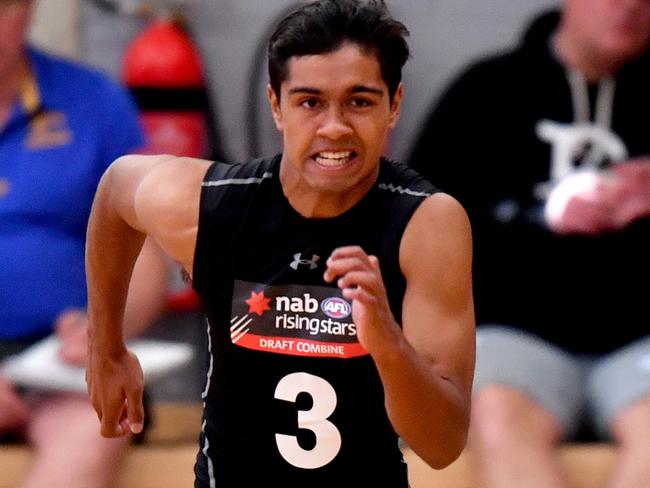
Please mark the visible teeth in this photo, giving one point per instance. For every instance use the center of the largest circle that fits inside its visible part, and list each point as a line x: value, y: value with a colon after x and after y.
x: 335, y: 155
x: 330, y: 158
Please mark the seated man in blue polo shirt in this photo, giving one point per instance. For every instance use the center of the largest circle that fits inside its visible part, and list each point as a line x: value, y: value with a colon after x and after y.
x: 60, y: 127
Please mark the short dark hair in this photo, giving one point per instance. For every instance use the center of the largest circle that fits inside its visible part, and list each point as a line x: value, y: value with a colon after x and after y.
x: 322, y: 26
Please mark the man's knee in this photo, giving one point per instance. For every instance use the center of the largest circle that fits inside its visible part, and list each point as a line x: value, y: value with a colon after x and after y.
x: 503, y: 414
x: 55, y: 416
x: 632, y: 425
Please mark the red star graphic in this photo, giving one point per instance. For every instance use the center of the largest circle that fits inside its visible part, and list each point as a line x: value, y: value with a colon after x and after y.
x: 258, y: 303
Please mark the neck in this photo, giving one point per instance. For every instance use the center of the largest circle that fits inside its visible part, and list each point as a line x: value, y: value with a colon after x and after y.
x: 574, y: 54
x: 320, y: 204
x: 313, y: 206
x: 10, y: 86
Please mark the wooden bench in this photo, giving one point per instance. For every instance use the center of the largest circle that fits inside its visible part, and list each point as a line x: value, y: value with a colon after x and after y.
x: 166, y: 458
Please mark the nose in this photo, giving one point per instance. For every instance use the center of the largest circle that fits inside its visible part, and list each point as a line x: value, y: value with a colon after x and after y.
x: 334, y: 124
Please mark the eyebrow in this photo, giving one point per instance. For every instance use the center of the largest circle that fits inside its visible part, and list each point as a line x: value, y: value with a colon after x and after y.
x: 355, y: 89
x: 367, y: 89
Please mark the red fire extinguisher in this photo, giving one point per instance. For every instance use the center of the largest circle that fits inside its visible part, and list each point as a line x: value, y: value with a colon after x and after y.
x: 164, y: 73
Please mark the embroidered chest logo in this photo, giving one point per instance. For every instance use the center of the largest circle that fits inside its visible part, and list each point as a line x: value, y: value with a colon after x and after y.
x: 298, y: 261
x: 48, y: 130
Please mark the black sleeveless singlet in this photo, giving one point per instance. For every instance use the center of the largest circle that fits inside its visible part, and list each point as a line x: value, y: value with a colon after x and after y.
x: 291, y: 398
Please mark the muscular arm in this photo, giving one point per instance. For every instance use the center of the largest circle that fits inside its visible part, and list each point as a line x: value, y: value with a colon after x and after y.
x: 427, y: 366
x: 137, y: 196
x: 428, y: 381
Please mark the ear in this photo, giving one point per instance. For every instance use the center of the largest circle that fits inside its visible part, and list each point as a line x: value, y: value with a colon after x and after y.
x: 275, y: 107
x: 395, y: 106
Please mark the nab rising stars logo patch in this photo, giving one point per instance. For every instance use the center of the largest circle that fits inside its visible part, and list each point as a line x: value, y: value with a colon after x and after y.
x: 296, y: 320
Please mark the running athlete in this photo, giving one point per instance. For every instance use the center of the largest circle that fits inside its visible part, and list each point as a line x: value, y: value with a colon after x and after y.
x: 336, y: 283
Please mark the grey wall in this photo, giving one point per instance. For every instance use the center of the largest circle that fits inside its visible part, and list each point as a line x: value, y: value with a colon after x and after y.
x: 445, y: 35
x: 54, y: 26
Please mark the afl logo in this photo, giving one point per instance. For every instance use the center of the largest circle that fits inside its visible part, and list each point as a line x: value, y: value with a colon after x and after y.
x: 336, y: 308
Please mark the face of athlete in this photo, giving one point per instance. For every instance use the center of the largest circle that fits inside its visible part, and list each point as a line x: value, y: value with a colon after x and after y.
x: 619, y: 29
x: 14, y: 22
x: 334, y: 114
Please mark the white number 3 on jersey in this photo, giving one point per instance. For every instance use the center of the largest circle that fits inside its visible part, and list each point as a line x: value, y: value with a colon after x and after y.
x: 328, y: 438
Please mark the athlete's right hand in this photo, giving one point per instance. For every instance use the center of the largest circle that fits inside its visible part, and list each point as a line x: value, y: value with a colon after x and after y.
x: 116, y: 385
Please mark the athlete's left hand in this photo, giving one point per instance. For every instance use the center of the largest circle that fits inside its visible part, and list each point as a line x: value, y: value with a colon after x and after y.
x: 359, y: 278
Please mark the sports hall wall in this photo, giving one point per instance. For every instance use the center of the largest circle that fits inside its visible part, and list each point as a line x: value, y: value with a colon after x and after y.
x: 445, y: 35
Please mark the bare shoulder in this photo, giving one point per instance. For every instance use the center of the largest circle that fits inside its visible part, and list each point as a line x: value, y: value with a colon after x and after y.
x: 167, y: 180
x: 439, y: 232
x: 182, y: 167
x: 140, y: 165
x: 132, y: 165
x: 161, y: 169
x: 440, y: 216
x: 442, y: 206
x: 143, y: 186
x: 166, y: 194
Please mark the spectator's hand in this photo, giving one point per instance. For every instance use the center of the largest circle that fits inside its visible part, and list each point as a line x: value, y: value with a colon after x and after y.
x: 359, y: 278
x: 72, y: 329
x: 596, y: 202
x: 116, y: 384
x: 635, y: 182
x: 14, y: 412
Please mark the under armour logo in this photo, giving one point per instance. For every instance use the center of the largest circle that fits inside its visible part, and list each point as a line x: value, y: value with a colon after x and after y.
x: 298, y: 261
